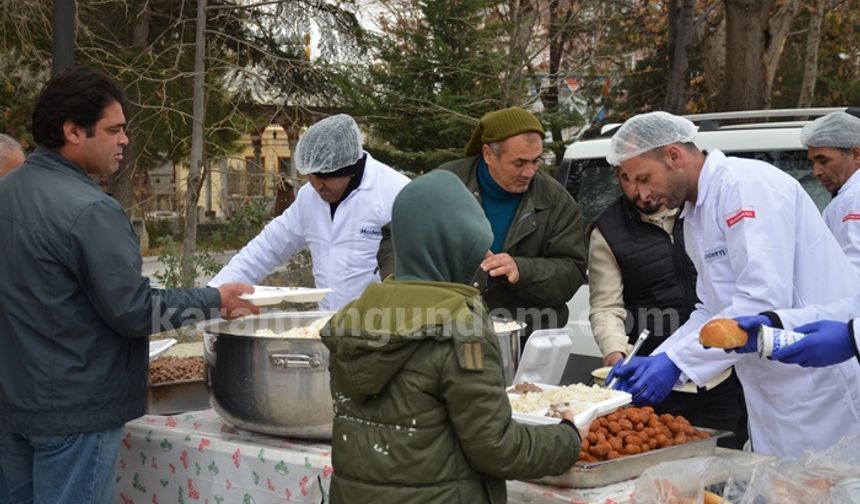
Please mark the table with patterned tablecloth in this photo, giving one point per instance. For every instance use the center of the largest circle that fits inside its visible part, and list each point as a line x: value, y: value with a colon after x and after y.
x: 198, y: 457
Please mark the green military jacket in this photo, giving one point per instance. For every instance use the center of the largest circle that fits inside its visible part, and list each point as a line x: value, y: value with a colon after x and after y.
x: 547, y: 241
x: 421, y: 414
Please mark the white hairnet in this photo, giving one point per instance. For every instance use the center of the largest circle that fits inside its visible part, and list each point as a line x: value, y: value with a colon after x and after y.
x: 839, y: 130
x: 646, y: 132
x: 329, y: 145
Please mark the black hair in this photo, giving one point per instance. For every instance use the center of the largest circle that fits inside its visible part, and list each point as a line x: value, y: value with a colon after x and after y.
x: 80, y: 95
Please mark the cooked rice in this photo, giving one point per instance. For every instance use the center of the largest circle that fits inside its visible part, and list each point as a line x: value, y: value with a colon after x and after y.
x: 310, y: 331
x: 575, y: 398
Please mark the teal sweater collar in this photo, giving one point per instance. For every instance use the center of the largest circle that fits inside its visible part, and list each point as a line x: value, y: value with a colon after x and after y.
x: 500, y: 206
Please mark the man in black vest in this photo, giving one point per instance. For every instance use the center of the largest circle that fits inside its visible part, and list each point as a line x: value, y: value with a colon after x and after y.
x: 641, y: 278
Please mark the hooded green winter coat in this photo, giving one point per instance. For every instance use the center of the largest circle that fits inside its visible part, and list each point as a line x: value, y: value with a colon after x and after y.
x: 421, y: 414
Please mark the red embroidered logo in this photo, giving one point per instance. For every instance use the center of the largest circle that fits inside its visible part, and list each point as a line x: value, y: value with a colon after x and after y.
x: 745, y: 213
x: 851, y: 216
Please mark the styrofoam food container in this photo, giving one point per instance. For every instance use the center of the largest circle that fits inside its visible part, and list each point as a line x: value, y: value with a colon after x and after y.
x: 544, y: 357
x: 158, y: 347
x: 582, y: 419
x: 265, y: 295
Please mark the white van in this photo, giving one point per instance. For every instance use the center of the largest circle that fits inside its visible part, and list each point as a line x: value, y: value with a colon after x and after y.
x: 591, y: 180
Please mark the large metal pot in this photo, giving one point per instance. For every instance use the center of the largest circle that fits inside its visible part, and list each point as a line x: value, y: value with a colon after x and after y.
x: 509, y: 332
x: 269, y: 384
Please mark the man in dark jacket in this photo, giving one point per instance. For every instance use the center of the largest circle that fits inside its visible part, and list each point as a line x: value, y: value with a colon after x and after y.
x: 421, y: 414
x: 537, y: 258
x: 11, y: 156
x: 76, y: 312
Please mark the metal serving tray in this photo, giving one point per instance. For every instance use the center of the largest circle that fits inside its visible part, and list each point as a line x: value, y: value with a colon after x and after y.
x: 169, y: 398
x: 595, y: 474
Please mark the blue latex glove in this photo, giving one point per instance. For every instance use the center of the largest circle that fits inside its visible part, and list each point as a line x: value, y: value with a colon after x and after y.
x: 751, y: 325
x: 648, y: 379
x: 614, y: 373
x: 827, y: 342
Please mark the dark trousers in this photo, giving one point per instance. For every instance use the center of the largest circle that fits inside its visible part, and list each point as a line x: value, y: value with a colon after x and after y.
x: 721, y: 408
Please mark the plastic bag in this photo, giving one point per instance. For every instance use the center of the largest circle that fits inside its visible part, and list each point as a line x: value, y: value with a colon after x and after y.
x: 829, y: 477
x: 685, y: 481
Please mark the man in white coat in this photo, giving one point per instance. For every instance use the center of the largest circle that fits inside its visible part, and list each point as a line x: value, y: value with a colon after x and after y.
x: 338, y: 215
x: 833, y: 146
x: 758, y: 242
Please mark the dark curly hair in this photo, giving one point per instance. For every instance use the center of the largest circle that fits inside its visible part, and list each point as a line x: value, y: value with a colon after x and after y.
x: 80, y: 95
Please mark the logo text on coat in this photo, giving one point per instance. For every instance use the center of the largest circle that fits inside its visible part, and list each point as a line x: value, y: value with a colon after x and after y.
x: 371, y: 233
x: 716, y: 254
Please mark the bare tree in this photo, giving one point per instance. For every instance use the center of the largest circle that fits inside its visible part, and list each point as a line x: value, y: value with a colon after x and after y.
x: 195, y: 181
x: 780, y: 18
x: 710, y: 35
x: 522, y: 16
x: 121, y: 185
x: 682, y: 14
x: 810, y: 65
x: 755, y: 36
x: 743, y: 86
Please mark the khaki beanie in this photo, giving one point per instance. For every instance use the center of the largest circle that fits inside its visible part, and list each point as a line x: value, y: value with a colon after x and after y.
x: 501, y: 125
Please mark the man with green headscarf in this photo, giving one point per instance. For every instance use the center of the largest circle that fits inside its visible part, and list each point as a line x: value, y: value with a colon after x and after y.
x: 421, y: 413
x: 537, y: 258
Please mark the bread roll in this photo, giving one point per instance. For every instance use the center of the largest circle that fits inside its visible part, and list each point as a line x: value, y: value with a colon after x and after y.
x: 712, y: 498
x: 722, y: 333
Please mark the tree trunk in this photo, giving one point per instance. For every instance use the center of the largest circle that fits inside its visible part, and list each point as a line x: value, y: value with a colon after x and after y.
x: 681, y: 19
x: 140, y: 29
x: 122, y: 184
x: 810, y: 65
x: 744, y: 84
x: 524, y: 19
x: 63, y: 37
x: 711, y: 39
x: 550, y: 94
x: 192, y: 194
x: 778, y: 27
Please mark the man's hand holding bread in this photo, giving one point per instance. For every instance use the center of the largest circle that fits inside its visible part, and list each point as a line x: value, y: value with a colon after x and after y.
x: 738, y: 335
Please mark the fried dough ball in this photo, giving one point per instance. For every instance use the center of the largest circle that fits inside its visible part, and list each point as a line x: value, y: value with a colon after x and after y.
x: 630, y: 431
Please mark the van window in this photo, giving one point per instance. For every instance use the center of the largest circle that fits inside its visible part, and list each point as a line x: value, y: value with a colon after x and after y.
x: 796, y: 164
x: 593, y: 185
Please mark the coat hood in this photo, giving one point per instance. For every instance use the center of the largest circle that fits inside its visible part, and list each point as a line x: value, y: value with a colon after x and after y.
x: 372, y: 338
x: 438, y: 229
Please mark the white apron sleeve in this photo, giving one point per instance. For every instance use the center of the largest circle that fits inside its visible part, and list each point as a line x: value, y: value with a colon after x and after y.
x: 842, y: 310
x: 278, y: 241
